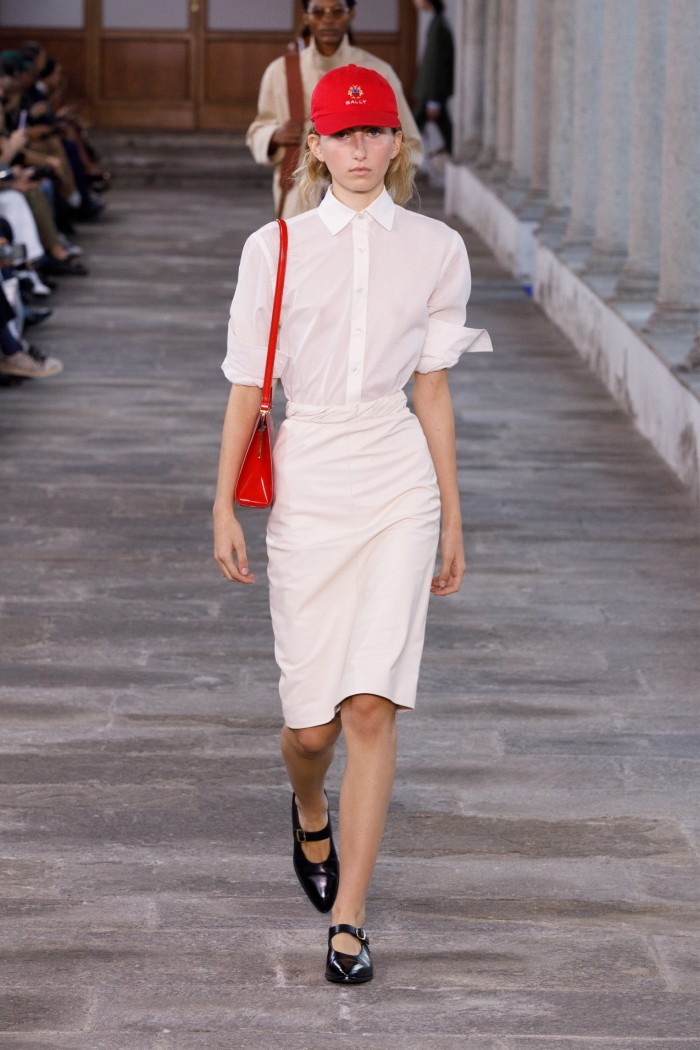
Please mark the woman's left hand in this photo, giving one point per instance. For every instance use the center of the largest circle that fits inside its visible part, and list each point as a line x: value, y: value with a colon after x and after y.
x: 453, y: 563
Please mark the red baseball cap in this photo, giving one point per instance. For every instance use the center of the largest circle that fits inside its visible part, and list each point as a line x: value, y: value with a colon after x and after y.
x: 351, y: 97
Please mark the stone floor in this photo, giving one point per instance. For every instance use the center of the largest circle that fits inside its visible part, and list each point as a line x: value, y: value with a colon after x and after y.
x: 539, y: 886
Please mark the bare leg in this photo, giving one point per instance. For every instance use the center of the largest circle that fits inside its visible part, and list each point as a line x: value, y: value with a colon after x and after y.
x: 307, y: 755
x: 369, y: 725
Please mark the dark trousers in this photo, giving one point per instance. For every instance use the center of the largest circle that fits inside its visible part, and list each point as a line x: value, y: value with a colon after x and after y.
x: 443, y: 122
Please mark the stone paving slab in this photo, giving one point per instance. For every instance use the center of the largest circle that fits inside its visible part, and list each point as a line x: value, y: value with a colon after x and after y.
x: 540, y: 878
x: 167, y: 1040
x: 410, y: 1010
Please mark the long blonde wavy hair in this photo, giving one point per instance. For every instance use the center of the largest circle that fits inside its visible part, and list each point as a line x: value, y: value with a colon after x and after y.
x: 314, y: 178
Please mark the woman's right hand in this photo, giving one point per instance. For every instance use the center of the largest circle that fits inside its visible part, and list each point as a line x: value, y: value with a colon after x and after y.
x: 229, y: 548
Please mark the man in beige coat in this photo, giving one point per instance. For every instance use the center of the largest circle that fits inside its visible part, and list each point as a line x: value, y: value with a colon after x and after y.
x: 273, y: 129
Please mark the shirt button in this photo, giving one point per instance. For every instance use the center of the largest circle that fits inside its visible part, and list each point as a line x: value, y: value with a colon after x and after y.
x: 359, y: 291
x: 357, y: 331
x: 354, y: 371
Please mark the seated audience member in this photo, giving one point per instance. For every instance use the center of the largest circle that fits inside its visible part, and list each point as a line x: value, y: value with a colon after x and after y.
x: 17, y: 356
x: 58, y: 256
x: 50, y: 87
x: 28, y: 110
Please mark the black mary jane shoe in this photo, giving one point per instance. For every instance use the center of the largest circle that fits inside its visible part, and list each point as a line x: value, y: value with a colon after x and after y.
x: 319, y: 881
x: 349, y: 969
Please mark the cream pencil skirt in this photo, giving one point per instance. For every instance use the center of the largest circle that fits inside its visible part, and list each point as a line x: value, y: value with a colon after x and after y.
x: 351, y: 544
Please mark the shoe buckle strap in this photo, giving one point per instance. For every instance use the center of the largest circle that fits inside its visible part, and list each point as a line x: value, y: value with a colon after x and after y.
x: 354, y: 931
x: 312, y: 836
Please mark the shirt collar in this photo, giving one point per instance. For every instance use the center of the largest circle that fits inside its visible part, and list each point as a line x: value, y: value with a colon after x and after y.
x: 336, y: 216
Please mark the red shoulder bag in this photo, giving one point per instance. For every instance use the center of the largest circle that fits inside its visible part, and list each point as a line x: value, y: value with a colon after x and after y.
x: 254, y: 487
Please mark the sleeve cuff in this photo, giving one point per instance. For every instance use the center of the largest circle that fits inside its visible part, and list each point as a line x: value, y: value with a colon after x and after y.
x: 245, y: 364
x: 446, y: 343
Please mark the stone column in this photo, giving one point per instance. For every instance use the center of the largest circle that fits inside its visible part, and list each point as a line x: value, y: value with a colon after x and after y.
x: 562, y: 105
x: 542, y: 95
x: 523, y: 86
x: 617, y: 80
x: 561, y: 114
x: 588, y: 49
x: 488, y: 133
x: 675, y: 324
x: 640, y: 276
x: 470, y: 18
x: 506, y: 61
x: 680, y: 173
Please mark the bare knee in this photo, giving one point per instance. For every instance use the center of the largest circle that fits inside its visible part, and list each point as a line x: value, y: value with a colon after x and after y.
x: 368, y: 716
x: 314, y: 740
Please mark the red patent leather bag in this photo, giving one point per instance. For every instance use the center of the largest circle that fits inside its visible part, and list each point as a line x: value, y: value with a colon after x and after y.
x: 254, y: 487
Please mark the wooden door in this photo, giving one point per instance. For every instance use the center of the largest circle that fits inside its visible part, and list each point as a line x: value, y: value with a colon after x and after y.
x: 143, y: 61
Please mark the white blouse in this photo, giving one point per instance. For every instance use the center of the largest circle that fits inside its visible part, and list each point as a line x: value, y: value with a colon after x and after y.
x: 370, y: 298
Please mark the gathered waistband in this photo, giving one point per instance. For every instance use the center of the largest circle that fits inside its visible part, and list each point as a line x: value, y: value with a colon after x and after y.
x: 383, y: 406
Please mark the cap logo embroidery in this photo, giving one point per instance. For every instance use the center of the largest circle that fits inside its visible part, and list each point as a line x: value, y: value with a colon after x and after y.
x: 355, y: 94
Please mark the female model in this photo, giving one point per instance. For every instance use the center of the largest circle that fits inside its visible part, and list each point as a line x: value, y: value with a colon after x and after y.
x: 374, y: 295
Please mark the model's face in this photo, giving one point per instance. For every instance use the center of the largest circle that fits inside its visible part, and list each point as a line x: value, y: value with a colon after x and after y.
x: 328, y: 22
x: 358, y: 159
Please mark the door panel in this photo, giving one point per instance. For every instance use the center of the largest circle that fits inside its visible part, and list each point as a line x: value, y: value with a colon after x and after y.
x: 145, y: 58
x: 134, y: 70
x: 156, y: 14
x: 58, y: 14
x: 230, y: 75
x: 237, y: 17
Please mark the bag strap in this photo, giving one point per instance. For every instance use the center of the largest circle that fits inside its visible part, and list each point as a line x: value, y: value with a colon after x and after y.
x: 295, y: 89
x: 266, y: 400
x: 295, y: 96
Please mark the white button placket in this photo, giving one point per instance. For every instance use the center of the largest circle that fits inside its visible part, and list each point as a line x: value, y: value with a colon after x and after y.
x: 358, y: 313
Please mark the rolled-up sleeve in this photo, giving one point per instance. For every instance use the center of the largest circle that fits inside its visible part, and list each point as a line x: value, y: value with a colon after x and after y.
x: 447, y: 338
x: 273, y: 111
x: 249, y: 322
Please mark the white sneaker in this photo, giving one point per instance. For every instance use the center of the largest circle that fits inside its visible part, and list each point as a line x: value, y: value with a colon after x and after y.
x: 30, y: 363
x: 74, y: 250
x: 38, y: 286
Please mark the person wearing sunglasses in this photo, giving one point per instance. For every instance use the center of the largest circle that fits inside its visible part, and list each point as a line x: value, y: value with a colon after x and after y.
x: 276, y: 135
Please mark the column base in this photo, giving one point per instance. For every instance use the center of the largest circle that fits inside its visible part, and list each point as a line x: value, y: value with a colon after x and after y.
x: 675, y: 333
x: 486, y: 157
x: 575, y: 253
x: 637, y: 284
x: 602, y: 271
x: 575, y: 246
x: 533, y: 207
x: 606, y: 263
x: 470, y: 150
x: 553, y: 226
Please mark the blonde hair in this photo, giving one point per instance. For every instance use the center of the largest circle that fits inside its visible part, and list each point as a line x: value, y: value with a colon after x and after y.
x: 314, y: 178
